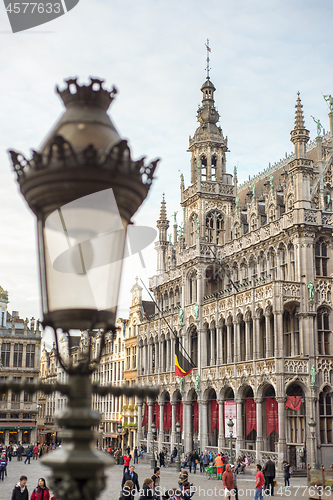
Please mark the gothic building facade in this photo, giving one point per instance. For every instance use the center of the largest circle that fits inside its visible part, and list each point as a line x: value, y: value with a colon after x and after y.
x: 246, y: 285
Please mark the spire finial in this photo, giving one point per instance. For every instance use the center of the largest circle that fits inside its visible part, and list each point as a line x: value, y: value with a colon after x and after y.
x: 163, y: 214
x: 299, y: 117
x: 208, y: 51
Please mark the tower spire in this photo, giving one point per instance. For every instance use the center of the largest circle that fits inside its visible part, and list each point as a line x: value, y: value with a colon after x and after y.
x: 163, y: 223
x: 299, y: 135
x: 299, y: 117
x: 208, y: 60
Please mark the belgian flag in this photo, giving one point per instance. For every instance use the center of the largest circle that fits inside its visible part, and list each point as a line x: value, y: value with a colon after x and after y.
x: 183, y: 366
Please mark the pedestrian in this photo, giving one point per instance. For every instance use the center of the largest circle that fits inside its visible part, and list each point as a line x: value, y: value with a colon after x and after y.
x: 201, y: 462
x: 189, y: 461
x: 234, y: 475
x: 269, y: 473
x: 157, y: 482
x: 27, y: 455
x: 286, y: 473
x: 228, y: 482
x: 161, y: 456
x: 205, y: 459
x: 259, y: 483
x: 183, y: 478
x: 128, y: 450
x: 117, y: 454
x: 19, y: 452
x: 136, y: 458
x: 35, y: 450
x: 41, y: 492
x: 20, y: 492
x: 3, y: 466
x: 127, y: 492
x: 147, y: 488
x: 10, y: 452
x: 195, y: 461
x: 126, y: 463
x: 174, y: 454
x: 131, y: 476
x: 219, y: 466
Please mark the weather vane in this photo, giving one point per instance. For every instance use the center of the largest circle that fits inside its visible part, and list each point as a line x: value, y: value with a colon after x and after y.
x: 208, y: 51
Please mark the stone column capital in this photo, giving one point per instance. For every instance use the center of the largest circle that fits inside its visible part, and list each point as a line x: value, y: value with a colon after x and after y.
x: 187, y: 403
x: 238, y: 401
x: 280, y: 399
x: 258, y: 400
x: 220, y: 401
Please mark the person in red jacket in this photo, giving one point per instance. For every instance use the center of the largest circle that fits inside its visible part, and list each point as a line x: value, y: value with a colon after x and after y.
x: 127, y: 460
x: 41, y: 492
x: 228, y: 482
x: 35, y: 450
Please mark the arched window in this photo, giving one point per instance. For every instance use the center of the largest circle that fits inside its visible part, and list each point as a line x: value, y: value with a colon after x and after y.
x: 192, y: 280
x: 287, y: 333
x: 283, y: 263
x: 291, y: 263
x: 321, y: 258
x: 215, y: 228
x: 326, y: 416
x: 194, y: 346
x: 193, y: 229
x: 203, y: 161
x: 324, y: 333
x: 272, y: 264
x: 213, y: 168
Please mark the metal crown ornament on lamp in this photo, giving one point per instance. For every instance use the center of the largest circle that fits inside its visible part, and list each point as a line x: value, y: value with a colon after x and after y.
x: 83, y: 187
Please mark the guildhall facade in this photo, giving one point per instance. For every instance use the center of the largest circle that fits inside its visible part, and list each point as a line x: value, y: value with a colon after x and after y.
x: 245, y: 283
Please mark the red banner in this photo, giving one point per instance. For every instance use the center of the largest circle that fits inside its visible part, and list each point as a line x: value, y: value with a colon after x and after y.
x: 294, y: 402
x: 214, y: 415
x: 196, y: 416
x: 272, y: 418
x: 179, y: 414
x: 157, y: 421
x: 145, y: 416
x: 251, y: 416
x: 167, y: 416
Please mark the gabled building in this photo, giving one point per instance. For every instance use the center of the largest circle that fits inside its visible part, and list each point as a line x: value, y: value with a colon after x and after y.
x: 20, y: 358
x: 246, y: 286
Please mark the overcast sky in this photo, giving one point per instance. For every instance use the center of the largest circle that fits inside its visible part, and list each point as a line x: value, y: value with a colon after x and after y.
x: 154, y: 52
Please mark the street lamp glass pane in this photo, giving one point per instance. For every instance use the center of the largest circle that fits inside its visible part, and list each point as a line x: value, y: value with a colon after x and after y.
x: 81, y: 253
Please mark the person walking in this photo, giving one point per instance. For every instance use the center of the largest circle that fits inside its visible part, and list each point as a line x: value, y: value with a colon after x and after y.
x: 117, y: 455
x: 127, y: 492
x: 234, y: 475
x: 127, y: 460
x: 195, y: 461
x: 157, y: 483
x: 161, y: 457
x: 174, y: 454
x: 269, y: 473
x: 147, y: 488
x: 3, y: 466
x: 27, y: 455
x: 202, y: 469
x: 286, y: 473
x: 35, y: 450
x: 205, y: 459
x: 41, y: 492
x: 20, y: 492
x: 136, y: 455
x: 131, y: 476
x: 10, y: 452
x: 259, y: 483
x: 19, y: 452
x: 189, y: 461
x: 228, y: 482
x: 219, y: 466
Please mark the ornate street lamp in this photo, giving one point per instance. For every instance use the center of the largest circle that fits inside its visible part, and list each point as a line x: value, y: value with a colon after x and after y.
x: 230, y: 424
x: 119, y: 429
x: 178, y: 427
x: 312, y: 424
x: 153, y: 431
x: 84, y: 188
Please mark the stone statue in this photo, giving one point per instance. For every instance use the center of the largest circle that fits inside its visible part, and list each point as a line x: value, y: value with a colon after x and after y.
x: 235, y: 171
x: 180, y: 233
x: 196, y: 312
x: 328, y: 98
x: 182, y: 384
x: 175, y: 218
x: 319, y: 125
x: 197, y: 383
x: 237, y: 202
x: 181, y: 316
x: 312, y: 291
x: 271, y: 178
x: 313, y: 374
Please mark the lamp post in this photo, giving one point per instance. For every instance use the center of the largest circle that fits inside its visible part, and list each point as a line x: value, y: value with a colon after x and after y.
x: 178, y: 461
x: 84, y: 188
x: 312, y: 424
x: 230, y: 424
x: 119, y: 429
x: 153, y: 430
